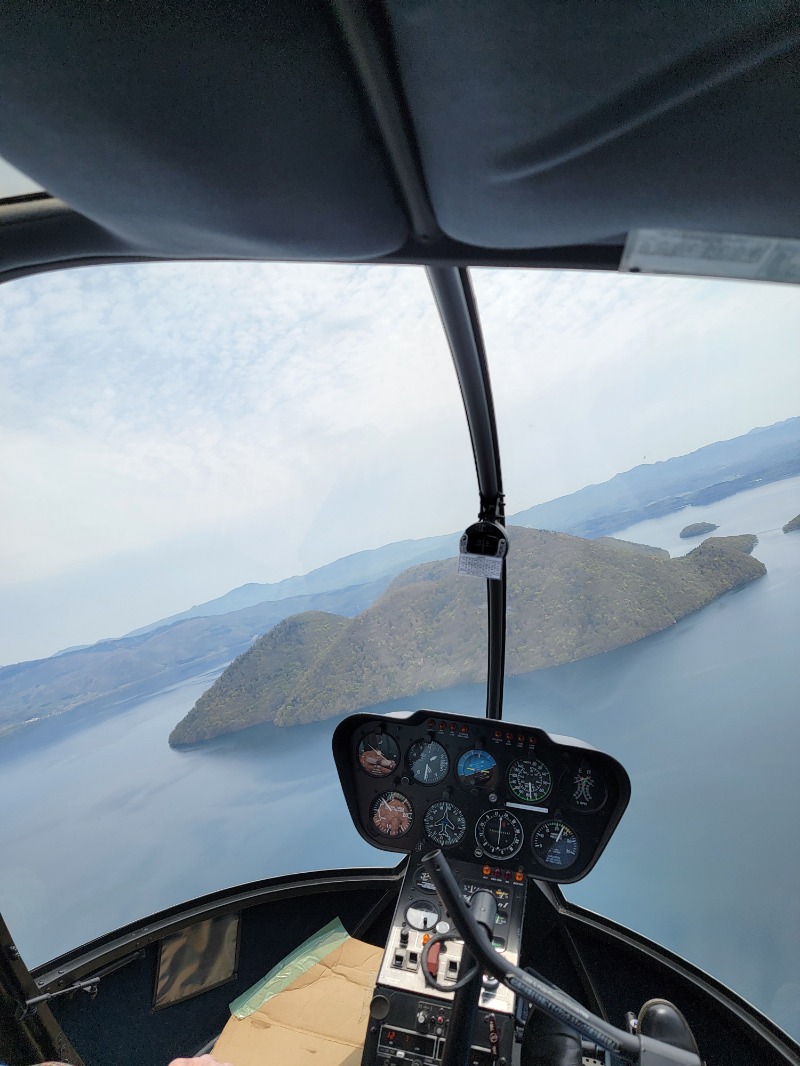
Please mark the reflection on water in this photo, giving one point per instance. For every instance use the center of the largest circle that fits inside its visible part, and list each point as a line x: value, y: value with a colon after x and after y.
x: 104, y: 823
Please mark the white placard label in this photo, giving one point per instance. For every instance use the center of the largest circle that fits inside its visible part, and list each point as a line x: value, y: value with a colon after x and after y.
x: 714, y: 255
x: 487, y: 566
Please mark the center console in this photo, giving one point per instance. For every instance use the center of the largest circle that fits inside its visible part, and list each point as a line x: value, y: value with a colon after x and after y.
x: 409, y: 1020
x: 503, y: 802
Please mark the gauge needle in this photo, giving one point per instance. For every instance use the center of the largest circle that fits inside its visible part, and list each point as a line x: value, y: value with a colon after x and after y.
x: 560, y: 834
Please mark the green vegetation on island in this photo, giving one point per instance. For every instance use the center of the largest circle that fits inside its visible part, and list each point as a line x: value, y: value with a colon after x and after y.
x: 792, y: 525
x: 697, y: 529
x: 568, y: 598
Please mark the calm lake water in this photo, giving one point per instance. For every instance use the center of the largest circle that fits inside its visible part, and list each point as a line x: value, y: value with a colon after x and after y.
x: 103, y: 823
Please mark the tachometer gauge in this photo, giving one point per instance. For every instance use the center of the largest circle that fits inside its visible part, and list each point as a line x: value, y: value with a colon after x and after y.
x: 530, y: 780
x: 499, y: 834
x: 392, y: 814
x: 445, y: 824
x: 555, y: 845
x: 428, y: 762
x: 584, y: 788
x: 378, y: 754
x: 477, y: 769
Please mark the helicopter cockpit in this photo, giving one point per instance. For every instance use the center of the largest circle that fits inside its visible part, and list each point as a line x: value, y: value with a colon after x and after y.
x: 504, y: 803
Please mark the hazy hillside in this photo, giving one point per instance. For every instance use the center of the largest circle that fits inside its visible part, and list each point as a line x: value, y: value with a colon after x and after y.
x: 210, y: 634
x: 568, y: 598
x: 138, y: 665
x: 792, y: 525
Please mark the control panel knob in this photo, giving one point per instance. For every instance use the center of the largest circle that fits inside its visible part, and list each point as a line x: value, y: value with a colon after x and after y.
x: 422, y: 1017
x: 490, y: 983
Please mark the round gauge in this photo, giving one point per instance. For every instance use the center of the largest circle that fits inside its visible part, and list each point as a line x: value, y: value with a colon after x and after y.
x: 555, y: 845
x: 585, y: 788
x: 378, y: 754
x: 428, y: 762
x: 422, y: 915
x: 530, y: 780
x: 445, y: 824
x: 477, y: 769
x: 499, y: 834
x: 392, y: 814
x: 423, y: 881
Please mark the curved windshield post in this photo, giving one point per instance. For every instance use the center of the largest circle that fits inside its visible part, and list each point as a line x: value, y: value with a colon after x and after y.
x: 232, y: 503
x: 452, y: 290
x: 651, y: 453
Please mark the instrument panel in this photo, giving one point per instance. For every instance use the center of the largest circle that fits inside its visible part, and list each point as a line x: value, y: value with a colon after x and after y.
x: 507, y: 795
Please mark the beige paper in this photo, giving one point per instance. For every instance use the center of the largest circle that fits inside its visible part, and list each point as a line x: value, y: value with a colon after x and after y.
x: 320, y: 1018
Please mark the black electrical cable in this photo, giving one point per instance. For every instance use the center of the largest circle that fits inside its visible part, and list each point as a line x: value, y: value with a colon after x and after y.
x: 430, y: 980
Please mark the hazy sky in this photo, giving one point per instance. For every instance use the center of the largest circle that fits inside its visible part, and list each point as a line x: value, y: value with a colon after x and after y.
x: 171, y: 431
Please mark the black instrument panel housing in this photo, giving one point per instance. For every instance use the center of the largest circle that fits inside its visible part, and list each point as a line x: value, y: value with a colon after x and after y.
x: 506, y: 742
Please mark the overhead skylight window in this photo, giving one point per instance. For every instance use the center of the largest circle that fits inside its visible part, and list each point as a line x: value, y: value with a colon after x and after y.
x: 14, y: 183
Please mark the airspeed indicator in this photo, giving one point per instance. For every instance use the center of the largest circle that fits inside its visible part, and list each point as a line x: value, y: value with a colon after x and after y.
x: 530, y: 780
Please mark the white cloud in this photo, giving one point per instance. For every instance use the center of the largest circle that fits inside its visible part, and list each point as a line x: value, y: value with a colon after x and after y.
x: 183, y: 428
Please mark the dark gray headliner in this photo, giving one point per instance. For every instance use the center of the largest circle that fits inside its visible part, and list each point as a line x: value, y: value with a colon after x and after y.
x: 530, y: 131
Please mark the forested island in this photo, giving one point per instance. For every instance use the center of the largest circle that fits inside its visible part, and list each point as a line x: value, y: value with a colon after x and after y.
x: 792, y: 525
x: 568, y: 598
x: 697, y: 529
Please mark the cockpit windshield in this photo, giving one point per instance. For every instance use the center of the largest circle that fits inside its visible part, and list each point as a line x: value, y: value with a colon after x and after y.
x: 232, y: 505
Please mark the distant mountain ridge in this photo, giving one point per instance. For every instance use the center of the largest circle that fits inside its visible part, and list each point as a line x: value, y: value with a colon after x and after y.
x: 374, y: 564
x: 569, y: 598
x: 136, y: 666
x: 646, y: 491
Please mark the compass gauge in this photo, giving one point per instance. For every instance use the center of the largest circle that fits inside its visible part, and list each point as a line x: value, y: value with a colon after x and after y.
x: 422, y: 915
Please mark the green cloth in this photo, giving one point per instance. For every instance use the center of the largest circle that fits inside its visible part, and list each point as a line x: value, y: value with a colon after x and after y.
x: 306, y: 955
